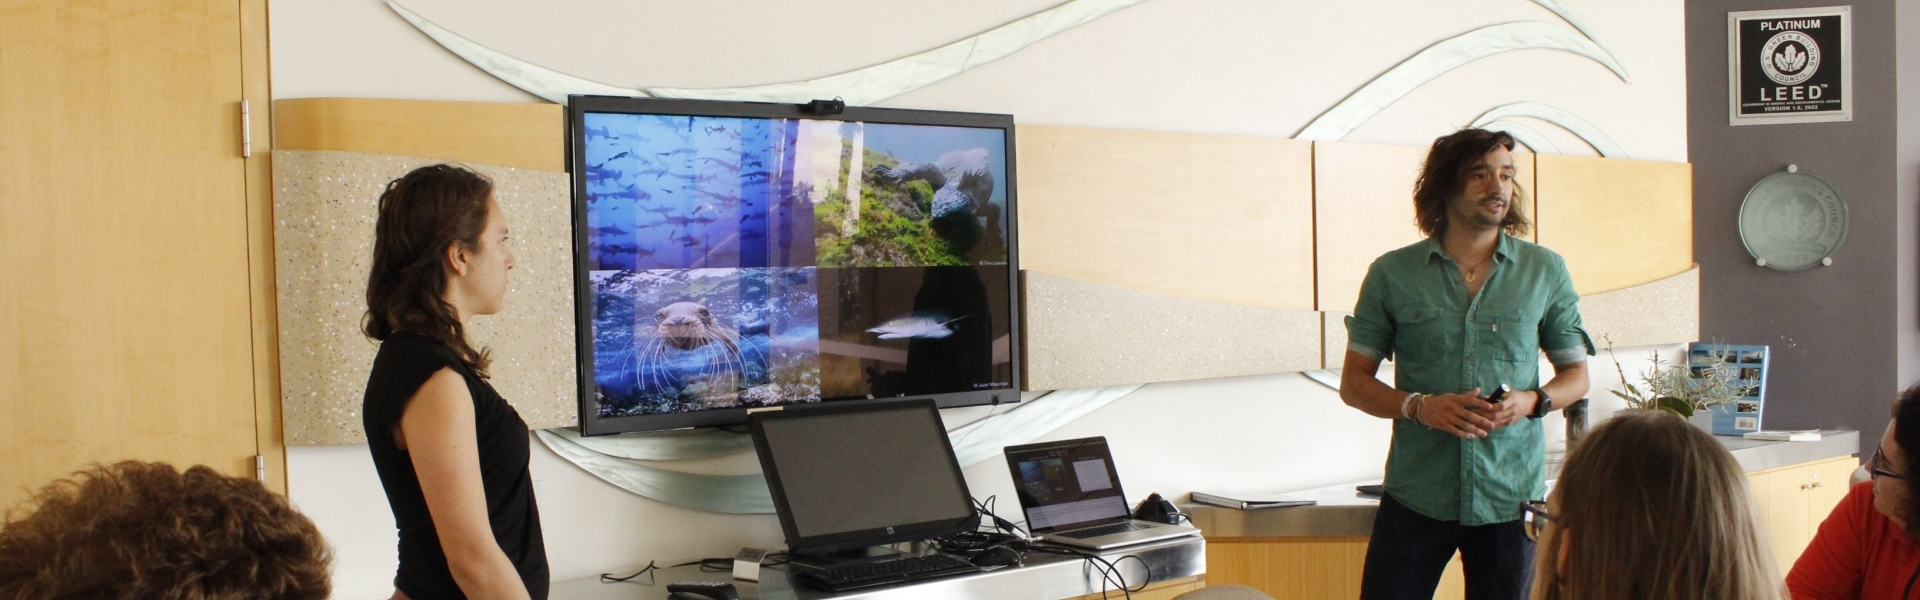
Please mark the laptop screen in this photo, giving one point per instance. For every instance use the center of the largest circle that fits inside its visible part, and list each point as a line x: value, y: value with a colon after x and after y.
x: 1066, y: 483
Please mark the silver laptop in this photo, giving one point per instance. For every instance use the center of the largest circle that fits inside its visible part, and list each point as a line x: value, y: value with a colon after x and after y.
x: 1070, y: 493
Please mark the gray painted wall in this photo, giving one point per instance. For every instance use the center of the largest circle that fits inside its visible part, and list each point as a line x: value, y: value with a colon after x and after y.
x: 1908, y: 142
x: 1834, y: 334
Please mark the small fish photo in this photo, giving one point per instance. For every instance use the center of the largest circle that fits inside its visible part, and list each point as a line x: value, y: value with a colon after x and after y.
x: 680, y: 192
x: 891, y: 331
x: 1746, y: 407
x: 1752, y: 357
x: 931, y: 324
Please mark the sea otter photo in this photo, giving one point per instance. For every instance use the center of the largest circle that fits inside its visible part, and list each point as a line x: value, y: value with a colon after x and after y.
x: 697, y: 339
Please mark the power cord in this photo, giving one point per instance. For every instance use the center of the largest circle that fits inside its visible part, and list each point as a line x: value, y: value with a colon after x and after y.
x: 1110, y: 574
x: 646, y: 570
x: 963, y: 438
x: 707, y: 565
x: 1000, y: 524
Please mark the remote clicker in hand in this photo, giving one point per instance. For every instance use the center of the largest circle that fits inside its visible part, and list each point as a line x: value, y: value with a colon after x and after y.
x: 1499, y: 393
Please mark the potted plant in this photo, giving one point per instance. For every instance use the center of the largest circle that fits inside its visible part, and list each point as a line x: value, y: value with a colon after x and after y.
x: 1681, y: 389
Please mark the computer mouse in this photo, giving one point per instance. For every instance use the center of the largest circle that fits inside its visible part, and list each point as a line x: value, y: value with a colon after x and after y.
x: 1001, y: 556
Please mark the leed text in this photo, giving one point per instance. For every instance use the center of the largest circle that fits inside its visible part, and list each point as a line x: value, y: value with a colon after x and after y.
x: 1798, y: 92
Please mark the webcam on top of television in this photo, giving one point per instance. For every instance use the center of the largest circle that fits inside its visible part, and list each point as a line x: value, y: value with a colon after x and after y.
x: 827, y: 107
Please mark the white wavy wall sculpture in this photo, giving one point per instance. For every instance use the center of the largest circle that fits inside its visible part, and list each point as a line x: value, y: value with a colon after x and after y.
x: 858, y: 87
x: 1587, y: 131
x: 886, y: 80
x: 1437, y: 60
x: 613, y: 460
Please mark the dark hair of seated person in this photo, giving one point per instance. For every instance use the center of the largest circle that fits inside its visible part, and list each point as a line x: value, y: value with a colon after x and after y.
x: 1906, y: 434
x: 144, y: 530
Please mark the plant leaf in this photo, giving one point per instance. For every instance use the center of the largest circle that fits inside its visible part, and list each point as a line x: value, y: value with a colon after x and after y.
x: 1675, y: 405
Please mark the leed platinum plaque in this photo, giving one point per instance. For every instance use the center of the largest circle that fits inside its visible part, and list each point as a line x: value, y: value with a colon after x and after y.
x: 1792, y: 221
x: 1790, y: 66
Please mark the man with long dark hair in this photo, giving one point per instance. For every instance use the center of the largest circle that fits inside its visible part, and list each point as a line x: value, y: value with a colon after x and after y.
x: 1461, y: 313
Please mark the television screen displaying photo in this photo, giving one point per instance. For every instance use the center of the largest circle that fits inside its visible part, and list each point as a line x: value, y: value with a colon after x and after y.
x: 739, y: 255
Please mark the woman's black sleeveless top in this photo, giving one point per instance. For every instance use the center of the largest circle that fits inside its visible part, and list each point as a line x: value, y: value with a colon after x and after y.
x: 404, y: 363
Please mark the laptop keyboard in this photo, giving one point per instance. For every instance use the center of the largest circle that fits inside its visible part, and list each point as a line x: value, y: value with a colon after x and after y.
x: 900, y: 570
x: 1105, y: 530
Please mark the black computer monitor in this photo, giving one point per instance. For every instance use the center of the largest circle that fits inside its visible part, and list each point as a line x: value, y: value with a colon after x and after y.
x: 851, y: 476
x: 731, y: 256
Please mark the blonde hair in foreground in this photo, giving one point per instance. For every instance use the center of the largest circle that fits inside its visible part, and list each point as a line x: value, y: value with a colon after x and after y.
x: 1649, y: 507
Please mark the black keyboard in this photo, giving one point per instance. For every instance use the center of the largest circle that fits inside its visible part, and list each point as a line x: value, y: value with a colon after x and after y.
x: 899, y: 570
x: 1094, y: 532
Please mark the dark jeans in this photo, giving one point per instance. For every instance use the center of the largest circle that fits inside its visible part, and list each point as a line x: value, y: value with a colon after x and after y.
x: 1408, y: 553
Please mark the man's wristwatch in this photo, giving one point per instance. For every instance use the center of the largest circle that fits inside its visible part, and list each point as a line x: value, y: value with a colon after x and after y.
x: 1541, y: 406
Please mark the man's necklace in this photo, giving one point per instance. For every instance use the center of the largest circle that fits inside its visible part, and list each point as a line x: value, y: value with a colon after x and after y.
x: 1471, y: 270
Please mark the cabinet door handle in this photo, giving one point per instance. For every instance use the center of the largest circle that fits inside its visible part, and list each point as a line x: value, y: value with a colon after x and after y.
x: 1816, y: 484
x: 1804, y: 486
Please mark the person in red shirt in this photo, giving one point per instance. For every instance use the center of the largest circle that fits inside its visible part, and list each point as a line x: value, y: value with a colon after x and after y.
x: 1866, y: 548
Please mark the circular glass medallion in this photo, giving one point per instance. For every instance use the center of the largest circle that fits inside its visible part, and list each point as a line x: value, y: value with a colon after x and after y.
x: 1792, y: 221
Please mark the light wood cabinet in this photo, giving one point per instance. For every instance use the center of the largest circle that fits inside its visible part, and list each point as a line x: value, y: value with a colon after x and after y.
x: 1793, y: 500
x: 1305, y: 568
x: 132, y: 276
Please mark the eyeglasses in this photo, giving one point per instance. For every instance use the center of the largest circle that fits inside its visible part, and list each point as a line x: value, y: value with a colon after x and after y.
x: 1877, y: 467
x: 1534, y: 516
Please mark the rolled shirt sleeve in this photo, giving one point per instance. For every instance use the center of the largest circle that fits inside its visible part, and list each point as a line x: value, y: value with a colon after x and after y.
x: 1370, y: 329
x: 1561, y: 332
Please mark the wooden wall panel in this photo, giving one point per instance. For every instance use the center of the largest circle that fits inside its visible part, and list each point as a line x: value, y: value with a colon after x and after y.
x: 1207, y: 217
x: 1363, y: 208
x: 1619, y: 223
x: 1178, y: 228
x: 125, y: 294
x: 523, y: 135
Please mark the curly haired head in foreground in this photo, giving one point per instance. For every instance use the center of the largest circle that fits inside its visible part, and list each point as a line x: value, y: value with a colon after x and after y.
x: 145, y: 530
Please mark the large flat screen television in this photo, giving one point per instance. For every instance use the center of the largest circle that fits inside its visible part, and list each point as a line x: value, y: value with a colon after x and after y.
x: 731, y: 255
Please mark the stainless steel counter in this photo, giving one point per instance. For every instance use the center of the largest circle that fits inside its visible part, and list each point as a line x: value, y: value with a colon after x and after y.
x: 1342, y: 512
x: 1045, y: 577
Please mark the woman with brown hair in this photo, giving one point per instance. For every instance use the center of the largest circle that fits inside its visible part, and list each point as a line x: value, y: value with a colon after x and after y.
x: 452, y: 454
x: 1865, y: 548
x: 1649, y: 507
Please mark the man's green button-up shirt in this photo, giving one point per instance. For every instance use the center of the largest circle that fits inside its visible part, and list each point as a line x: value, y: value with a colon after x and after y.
x: 1414, y: 310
